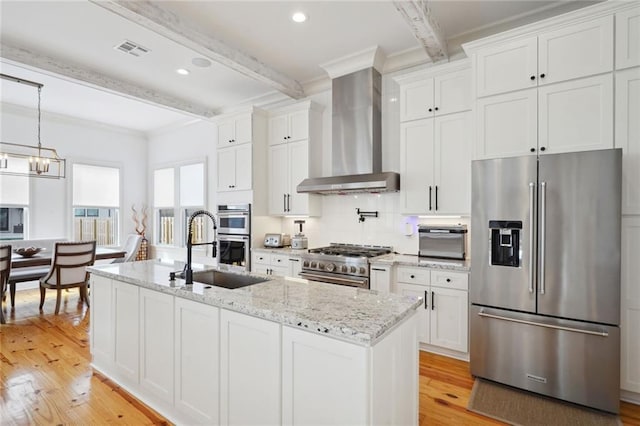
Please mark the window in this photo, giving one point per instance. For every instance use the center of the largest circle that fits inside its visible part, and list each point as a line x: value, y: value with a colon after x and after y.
x: 14, y: 202
x: 178, y: 192
x: 96, y: 204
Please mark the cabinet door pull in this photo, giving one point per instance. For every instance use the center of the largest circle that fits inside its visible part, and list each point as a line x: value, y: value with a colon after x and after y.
x: 284, y: 202
x: 533, y: 150
x: 533, y: 77
x: 426, y: 297
x: 542, y: 148
x: 429, y: 197
x: 433, y: 301
x: 288, y: 202
x: 436, y: 197
x: 542, y: 75
x: 377, y: 269
x: 295, y: 260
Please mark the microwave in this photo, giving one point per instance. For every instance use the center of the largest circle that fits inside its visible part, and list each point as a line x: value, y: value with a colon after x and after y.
x: 445, y: 242
x: 234, y: 219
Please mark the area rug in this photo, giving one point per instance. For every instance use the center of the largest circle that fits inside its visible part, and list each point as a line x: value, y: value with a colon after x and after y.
x: 522, y: 408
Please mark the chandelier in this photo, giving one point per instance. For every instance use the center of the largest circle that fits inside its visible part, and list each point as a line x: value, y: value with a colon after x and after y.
x: 30, y: 160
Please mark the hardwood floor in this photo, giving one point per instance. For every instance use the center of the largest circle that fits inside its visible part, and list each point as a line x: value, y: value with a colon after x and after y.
x: 46, y: 377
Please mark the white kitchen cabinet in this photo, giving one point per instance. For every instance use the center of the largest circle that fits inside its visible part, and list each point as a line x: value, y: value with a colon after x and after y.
x: 575, y: 115
x: 289, y: 127
x: 197, y: 346
x: 126, y: 333
x: 295, y: 138
x: 288, y: 166
x: 101, y: 323
x: 380, y: 278
x: 318, y: 373
x: 234, y: 168
x: 443, y: 317
x: 565, y: 53
x: 156, y: 344
x: 628, y: 136
x: 435, y: 165
x: 250, y: 370
x: 630, y: 305
x: 507, y: 125
x: 278, y: 264
x: 628, y: 38
x: 435, y: 96
x: 235, y: 130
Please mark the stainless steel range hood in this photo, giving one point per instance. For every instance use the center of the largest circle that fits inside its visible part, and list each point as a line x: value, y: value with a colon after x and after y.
x: 356, y: 139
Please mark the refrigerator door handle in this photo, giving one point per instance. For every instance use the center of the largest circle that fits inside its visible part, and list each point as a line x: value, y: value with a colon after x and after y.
x: 543, y: 231
x: 532, y: 213
x: 541, y: 324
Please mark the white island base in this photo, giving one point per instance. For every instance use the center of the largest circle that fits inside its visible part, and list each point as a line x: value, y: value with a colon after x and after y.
x: 196, y: 363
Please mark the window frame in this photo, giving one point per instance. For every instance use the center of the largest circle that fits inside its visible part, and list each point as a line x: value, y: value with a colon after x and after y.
x: 70, y: 214
x: 180, y: 222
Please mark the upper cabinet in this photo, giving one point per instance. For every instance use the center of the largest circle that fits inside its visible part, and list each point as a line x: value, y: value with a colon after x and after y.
x: 295, y: 138
x: 235, y: 130
x: 569, y: 52
x: 434, y: 96
x: 628, y: 136
x: 241, y: 138
x: 628, y: 38
x: 289, y: 127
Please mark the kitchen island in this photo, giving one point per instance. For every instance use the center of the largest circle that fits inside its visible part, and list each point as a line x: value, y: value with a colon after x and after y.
x: 278, y: 352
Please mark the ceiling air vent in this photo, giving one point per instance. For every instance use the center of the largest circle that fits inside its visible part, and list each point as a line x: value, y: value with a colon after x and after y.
x: 131, y: 48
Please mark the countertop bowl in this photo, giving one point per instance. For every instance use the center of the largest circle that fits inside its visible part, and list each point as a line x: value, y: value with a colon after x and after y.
x: 28, y: 251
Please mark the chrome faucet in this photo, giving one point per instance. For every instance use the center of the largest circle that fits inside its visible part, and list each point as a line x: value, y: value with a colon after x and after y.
x: 188, y: 272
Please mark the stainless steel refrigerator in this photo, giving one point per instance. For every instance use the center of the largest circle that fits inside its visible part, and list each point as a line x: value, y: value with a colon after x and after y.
x: 545, y: 275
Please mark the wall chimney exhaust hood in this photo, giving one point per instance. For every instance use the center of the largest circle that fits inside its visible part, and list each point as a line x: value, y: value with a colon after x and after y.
x: 356, y: 139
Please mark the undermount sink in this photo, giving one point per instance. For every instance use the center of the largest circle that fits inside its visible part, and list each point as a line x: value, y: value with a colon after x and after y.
x: 225, y: 279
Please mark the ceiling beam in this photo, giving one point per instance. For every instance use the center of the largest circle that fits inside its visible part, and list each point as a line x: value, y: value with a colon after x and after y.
x: 424, y: 26
x: 155, y: 18
x: 99, y: 81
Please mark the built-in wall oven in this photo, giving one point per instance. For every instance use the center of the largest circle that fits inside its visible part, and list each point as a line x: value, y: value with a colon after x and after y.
x: 234, y: 236
x: 234, y: 219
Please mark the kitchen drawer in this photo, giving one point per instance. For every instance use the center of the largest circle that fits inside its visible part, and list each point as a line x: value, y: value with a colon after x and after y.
x: 447, y: 279
x: 280, y: 260
x: 411, y: 275
x: 262, y: 258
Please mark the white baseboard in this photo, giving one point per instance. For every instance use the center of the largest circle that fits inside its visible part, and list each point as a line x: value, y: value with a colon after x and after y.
x: 628, y: 396
x: 464, y: 356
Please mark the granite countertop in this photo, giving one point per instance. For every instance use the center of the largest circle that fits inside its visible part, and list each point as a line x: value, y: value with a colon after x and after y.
x: 427, y: 262
x: 280, y: 250
x: 355, y: 315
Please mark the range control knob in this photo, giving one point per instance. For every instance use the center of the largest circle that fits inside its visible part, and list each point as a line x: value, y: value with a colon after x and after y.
x: 330, y: 267
x: 320, y: 265
x: 352, y: 269
x: 344, y: 268
x: 362, y: 270
x: 313, y: 264
x: 305, y: 263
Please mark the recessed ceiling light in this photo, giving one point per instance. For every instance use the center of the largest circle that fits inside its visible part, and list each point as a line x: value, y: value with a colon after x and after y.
x: 299, y: 17
x: 201, y: 62
x: 182, y: 71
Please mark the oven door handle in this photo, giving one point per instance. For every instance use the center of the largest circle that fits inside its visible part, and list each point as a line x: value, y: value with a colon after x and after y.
x: 227, y: 237
x: 324, y: 278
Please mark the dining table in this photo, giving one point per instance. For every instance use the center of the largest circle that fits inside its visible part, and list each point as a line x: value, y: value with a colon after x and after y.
x: 44, y: 257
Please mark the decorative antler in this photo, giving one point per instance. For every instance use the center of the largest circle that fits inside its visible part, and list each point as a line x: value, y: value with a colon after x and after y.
x: 140, y: 227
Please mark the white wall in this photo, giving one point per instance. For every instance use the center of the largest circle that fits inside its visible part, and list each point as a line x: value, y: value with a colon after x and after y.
x: 76, y: 141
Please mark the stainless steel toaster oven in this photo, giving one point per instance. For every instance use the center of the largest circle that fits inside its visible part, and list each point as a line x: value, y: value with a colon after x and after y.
x: 445, y: 242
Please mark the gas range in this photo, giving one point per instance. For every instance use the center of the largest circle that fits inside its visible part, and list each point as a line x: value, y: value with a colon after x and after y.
x: 345, y: 264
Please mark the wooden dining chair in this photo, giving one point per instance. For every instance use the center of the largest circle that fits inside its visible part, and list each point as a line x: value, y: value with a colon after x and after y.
x: 5, y: 269
x: 68, y: 270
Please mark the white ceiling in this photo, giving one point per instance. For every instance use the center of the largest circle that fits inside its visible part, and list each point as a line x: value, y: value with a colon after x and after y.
x: 80, y: 35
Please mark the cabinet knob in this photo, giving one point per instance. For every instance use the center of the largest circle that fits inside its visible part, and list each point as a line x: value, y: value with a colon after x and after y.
x: 284, y: 138
x: 542, y: 75
x: 533, y: 77
x: 436, y: 108
x: 542, y: 148
x: 448, y: 280
x: 430, y: 109
x: 533, y: 150
x: 413, y: 276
